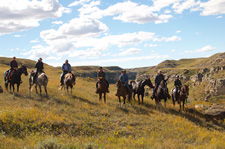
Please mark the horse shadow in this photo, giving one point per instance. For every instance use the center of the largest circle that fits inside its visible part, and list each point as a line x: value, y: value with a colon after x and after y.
x: 85, y: 100
x: 198, y: 118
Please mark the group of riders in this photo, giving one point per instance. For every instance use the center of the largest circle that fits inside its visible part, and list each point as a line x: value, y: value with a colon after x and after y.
x: 66, y: 68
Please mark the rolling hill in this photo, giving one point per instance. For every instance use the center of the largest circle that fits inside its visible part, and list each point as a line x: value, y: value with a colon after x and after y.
x: 81, y: 121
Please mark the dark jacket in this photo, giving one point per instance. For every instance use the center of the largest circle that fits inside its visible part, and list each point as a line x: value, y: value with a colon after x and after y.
x: 13, y: 64
x: 39, y: 66
x: 177, y: 82
x: 101, y: 74
x: 158, y: 79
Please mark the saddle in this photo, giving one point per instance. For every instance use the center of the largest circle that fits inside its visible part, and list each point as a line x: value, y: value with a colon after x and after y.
x: 10, y: 75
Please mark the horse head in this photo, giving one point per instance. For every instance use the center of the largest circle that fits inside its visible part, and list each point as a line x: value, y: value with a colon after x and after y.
x: 148, y: 82
x: 186, y: 89
x: 24, y: 70
x: 73, y: 79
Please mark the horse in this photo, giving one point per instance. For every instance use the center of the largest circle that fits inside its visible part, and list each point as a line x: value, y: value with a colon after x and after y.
x: 138, y: 88
x: 182, y: 96
x: 102, y: 89
x: 41, y: 80
x: 15, y: 78
x: 69, y: 80
x: 122, y: 91
x: 162, y: 93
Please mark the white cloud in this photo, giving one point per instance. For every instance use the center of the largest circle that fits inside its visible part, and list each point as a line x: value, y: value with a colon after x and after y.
x: 17, y: 36
x: 206, y: 49
x: 80, y: 2
x: 34, y: 41
x: 219, y: 17
x: 167, y: 39
x: 173, y: 50
x: 212, y: 7
x: 179, y: 7
x: 57, y: 22
x: 178, y: 31
x: 127, y: 11
x: 131, y: 51
x: 167, y: 11
x: 21, y: 15
x: 159, y: 4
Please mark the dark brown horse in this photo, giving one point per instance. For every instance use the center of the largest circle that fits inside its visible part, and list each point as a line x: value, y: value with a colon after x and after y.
x: 69, y: 81
x: 122, y: 91
x: 162, y: 93
x: 15, y: 78
x: 102, y: 88
x: 138, y: 88
x: 182, y: 96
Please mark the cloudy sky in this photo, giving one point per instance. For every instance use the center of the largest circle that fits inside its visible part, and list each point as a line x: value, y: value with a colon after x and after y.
x: 125, y: 33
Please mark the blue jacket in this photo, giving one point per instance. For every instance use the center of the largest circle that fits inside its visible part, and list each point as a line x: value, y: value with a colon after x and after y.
x: 64, y: 66
x: 124, y: 78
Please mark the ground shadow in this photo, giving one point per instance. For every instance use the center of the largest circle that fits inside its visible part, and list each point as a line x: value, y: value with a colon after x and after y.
x: 85, y: 100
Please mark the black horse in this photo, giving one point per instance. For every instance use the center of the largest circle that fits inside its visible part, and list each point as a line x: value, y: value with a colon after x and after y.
x: 15, y: 78
x: 162, y: 93
x: 138, y: 88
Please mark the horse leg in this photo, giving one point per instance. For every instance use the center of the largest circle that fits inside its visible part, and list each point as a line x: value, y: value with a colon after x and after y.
x: 119, y: 101
x: 138, y: 98
x: 36, y: 89
x: 180, y: 106
x: 71, y: 91
x: 40, y: 89
x: 100, y: 96
x: 183, y: 104
x: 124, y: 101
x: 18, y: 86
x: 165, y: 105
x: 6, y: 86
x: 105, y: 97
x: 142, y: 97
x: 46, y: 90
x: 134, y: 96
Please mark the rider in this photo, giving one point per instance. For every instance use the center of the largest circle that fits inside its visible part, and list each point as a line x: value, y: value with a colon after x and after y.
x: 13, y: 66
x: 39, y: 68
x: 124, y: 78
x: 66, y: 68
x: 101, y: 73
x: 177, y: 84
x: 158, y: 79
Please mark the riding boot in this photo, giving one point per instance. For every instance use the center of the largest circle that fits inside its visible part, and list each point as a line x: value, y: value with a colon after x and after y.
x: 96, y: 91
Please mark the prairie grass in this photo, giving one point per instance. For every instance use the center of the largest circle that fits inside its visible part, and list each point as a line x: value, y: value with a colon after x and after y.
x: 81, y: 121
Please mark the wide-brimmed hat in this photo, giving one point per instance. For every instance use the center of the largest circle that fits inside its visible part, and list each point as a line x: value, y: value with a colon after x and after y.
x: 40, y: 59
x: 123, y: 70
x: 100, y: 67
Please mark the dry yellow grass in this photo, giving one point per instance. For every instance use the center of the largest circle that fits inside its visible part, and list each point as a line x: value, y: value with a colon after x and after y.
x: 82, y: 121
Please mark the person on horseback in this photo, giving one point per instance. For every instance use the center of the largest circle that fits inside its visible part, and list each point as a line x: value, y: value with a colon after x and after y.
x: 177, y: 84
x: 124, y: 79
x: 158, y: 79
x: 39, y: 68
x: 66, y: 68
x: 13, y: 66
x: 101, y: 74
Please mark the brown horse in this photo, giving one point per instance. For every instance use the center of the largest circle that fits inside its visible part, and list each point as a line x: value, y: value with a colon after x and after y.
x: 138, y: 88
x: 69, y: 81
x: 181, y: 97
x: 122, y: 91
x: 102, y: 88
x: 162, y: 93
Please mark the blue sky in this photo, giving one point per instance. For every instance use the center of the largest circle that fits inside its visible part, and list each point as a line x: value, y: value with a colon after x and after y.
x: 135, y: 33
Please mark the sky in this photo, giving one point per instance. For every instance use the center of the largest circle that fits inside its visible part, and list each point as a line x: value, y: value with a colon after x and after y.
x: 125, y: 33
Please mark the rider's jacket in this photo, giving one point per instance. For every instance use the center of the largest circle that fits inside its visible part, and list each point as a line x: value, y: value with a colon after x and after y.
x: 13, y: 64
x: 39, y: 66
x: 101, y: 74
x: 66, y: 67
x: 124, y: 78
x: 177, y: 82
x: 158, y: 79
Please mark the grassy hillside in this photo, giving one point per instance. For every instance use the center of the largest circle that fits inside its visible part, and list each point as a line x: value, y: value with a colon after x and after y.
x: 81, y: 121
